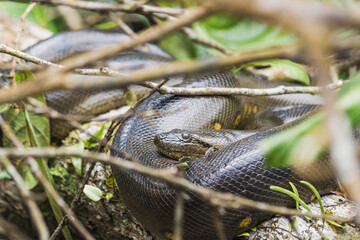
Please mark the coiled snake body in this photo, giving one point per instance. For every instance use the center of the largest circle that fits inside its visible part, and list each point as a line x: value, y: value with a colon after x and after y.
x: 236, y: 168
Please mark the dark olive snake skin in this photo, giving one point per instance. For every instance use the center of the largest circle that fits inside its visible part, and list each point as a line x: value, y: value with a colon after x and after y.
x: 236, y: 168
x: 185, y: 145
x: 94, y: 102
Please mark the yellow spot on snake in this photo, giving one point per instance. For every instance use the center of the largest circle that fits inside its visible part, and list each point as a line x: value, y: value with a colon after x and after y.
x: 255, y: 109
x: 245, y: 222
x: 245, y: 107
x: 249, y: 112
x: 237, y: 120
x: 217, y: 126
x: 169, y: 235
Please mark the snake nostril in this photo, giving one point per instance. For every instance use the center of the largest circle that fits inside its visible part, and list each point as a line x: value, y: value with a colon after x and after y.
x: 160, y: 136
x: 158, y: 139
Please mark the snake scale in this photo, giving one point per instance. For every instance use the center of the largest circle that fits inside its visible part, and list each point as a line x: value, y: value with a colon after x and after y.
x: 236, y: 168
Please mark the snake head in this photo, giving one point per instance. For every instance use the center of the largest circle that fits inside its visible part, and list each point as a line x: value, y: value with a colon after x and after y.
x: 179, y: 143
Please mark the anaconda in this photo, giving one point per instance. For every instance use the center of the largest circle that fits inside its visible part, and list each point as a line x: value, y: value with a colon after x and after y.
x: 236, y: 168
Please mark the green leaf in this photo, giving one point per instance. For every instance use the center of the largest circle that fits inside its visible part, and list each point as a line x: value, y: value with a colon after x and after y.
x: 130, y: 98
x: 106, y: 25
x: 76, y: 161
x: 91, y: 142
x: 240, y: 35
x: 33, y: 130
x: 287, y: 147
x: 316, y: 194
x: 59, y: 171
x: 244, y: 235
x: 22, y: 76
x: 332, y: 222
x: 296, y: 193
x: 110, y: 181
x: 282, y: 70
x: 39, y: 140
x: 94, y: 193
x: 4, y: 107
x: 29, y: 178
x: 291, y: 194
x: 293, y: 224
x: 109, y: 196
x: 178, y: 40
x: 42, y: 15
x: 5, y: 175
x: 16, y: 118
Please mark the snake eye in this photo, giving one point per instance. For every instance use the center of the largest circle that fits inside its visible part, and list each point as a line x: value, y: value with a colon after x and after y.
x: 185, y: 136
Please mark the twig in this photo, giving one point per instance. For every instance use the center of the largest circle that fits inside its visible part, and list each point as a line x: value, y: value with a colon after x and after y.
x: 10, y: 230
x: 122, y: 25
x: 26, y: 194
x: 47, y: 186
x: 66, y: 81
x: 41, y: 62
x: 195, y: 37
x: 217, y: 223
x: 17, y: 40
x: 289, y: 13
x: 25, y: 56
x: 103, y: 6
x: 226, y: 200
x: 207, y: 42
x: 242, y: 91
x: 179, y: 216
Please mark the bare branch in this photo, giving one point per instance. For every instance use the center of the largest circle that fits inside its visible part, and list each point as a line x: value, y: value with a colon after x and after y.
x: 69, y: 82
x: 34, y: 210
x: 130, y: 7
x: 17, y: 40
x: 47, y: 186
x: 242, y: 91
x: 12, y: 231
x: 226, y: 200
x: 303, y: 17
x: 27, y: 57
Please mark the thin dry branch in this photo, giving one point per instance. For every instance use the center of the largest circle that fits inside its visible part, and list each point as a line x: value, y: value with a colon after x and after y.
x: 242, y: 91
x: 34, y: 210
x: 27, y: 57
x: 149, y: 35
x: 69, y: 82
x: 34, y: 166
x: 129, y: 7
x: 11, y: 231
x: 195, y: 37
x: 212, y: 197
x: 53, y: 79
x: 17, y: 40
x: 304, y: 17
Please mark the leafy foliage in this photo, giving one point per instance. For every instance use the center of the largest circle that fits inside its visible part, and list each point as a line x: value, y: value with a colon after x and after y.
x: 241, y: 35
x: 286, y: 148
x: 92, y: 192
x: 284, y: 70
x: 44, y: 16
